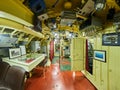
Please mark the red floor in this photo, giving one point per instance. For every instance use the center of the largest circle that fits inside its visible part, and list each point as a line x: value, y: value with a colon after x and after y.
x: 56, y: 80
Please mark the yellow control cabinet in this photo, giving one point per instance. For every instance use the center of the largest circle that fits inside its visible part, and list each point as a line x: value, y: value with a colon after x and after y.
x: 77, y: 54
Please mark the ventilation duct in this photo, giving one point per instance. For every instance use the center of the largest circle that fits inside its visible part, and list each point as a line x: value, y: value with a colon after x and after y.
x: 68, y: 18
x: 37, y: 6
x: 68, y: 15
x: 93, y: 21
x: 37, y: 24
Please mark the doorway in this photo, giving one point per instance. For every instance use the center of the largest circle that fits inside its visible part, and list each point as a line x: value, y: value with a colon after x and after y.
x: 89, y: 57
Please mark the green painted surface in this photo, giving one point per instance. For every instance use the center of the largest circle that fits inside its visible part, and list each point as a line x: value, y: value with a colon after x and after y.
x: 65, y: 63
x: 55, y: 60
x: 65, y: 67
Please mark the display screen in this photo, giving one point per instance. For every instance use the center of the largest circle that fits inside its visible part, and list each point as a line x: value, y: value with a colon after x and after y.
x: 14, y: 52
x: 111, y: 39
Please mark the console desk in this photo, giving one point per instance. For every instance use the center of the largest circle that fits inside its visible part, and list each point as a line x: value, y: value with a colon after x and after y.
x: 28, y: 62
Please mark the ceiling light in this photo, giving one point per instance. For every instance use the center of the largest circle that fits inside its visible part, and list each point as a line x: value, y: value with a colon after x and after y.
x: 100, y: 4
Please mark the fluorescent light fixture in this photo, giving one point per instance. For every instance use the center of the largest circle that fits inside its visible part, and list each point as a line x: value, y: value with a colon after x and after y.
x: 99, y: 4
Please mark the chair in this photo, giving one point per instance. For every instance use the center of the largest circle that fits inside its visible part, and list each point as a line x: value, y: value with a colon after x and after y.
x: 3, y: 70
x: 14, y: 79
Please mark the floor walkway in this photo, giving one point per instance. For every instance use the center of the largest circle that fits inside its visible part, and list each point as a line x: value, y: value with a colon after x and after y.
x: 55, y: 79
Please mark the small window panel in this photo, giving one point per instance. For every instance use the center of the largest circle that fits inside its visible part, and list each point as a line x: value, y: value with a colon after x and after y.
x: 100, y: 55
